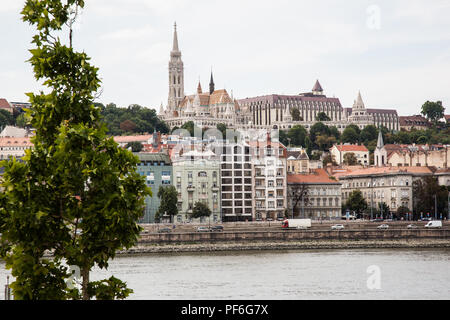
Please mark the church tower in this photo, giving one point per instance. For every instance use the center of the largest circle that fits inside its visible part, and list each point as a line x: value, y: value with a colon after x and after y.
x: 176, y: 75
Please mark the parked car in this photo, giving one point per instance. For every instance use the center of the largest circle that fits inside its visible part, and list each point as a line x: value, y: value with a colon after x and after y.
x: 412, y: 226
x: 426, y: 219
x: 165, y: 230
x: 217, y: 228
x: 203, y: 229
x: 280, y: 219
x: 269, y: 219
x: 377, y: 220
x: 259, y: 219
x: 434, y: 224
x: 383, y: 226
x: 337, y: 227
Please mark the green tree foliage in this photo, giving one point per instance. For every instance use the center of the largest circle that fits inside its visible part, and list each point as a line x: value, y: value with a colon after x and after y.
x: 351, y: 134
x: 433, y: 111
x: 356, y: 202
x: 322, y: 116
x: 283, y: 137
x: 135, y: 146
x: 383, y: 209
x: 200, y: 210
x: 328, y: 159
x: 21, y: 120
x: 223, y: 129
x: 324, y: 132
x: 424, y: 191
x: 6, y: 119
x: 168, y: 196
x: 402, y: 212
x: 295, y: 114
x: 297, y: 135
x: 368, y: 134
x: 350, y: 159
x: 74, y: 179
x: 189, y: 126
x: 144, y: 120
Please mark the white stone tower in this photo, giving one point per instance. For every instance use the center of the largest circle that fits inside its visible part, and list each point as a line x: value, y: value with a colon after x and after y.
x: 176, y: 75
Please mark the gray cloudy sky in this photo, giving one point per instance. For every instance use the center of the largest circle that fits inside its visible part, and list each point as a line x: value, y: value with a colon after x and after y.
x: 396, y: 52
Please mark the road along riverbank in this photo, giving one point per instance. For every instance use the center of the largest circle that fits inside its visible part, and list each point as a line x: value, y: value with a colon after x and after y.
x: 290, y: 240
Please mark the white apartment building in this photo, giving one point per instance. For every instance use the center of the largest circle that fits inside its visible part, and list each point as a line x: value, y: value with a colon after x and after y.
x: 236, y: 178
x: 269, y: 175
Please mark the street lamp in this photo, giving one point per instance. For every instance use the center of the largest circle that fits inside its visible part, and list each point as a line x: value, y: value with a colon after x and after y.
x: 435, y: 207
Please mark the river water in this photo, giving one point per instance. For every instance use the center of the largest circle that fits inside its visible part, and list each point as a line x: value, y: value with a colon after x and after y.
x: 283, y: 275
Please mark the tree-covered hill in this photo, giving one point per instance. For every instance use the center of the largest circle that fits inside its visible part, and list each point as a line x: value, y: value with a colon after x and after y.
x: 132, y: 120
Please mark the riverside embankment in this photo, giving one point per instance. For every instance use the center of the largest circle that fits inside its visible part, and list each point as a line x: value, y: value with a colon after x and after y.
x: 291, y: 239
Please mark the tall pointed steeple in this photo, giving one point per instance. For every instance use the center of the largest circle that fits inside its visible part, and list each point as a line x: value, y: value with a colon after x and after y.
x: 359, y: 104
x: 199, y: 88
x: 176, y: 75
x: 380, y: 143
x: 175, y: 39
x: 211, y: 84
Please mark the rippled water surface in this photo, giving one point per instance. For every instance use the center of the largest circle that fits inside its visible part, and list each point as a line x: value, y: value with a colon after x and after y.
x: 331, y: 274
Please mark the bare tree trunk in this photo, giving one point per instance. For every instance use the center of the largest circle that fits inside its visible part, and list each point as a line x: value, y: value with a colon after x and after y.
x: 85, y: 275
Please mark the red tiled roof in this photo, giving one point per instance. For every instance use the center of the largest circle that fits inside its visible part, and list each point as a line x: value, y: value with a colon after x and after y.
x: 387, y: 170
x: 350, y: 148
x: 15, y: 142
x: 416, y: 120
x: 4, y: 104
x: 126, y: 139
x: 318, y: 176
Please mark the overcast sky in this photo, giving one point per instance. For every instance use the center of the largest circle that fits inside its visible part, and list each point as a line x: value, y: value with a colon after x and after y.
x: 396, y: 52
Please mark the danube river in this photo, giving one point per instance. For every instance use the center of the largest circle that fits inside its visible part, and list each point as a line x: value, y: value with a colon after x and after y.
x: 276, y: 275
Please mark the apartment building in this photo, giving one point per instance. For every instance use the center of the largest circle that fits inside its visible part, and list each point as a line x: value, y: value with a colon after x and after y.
x: 236, y: 180
x: 269, y: 167
x: 391, y: 185
x: 157, y: 169
x: 197, y: 178
x: 314, y: 195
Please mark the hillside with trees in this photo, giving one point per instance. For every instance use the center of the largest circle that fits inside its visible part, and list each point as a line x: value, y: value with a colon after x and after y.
x: 134, y: 119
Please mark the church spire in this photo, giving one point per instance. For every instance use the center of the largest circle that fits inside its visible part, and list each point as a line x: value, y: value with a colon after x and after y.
x: 211, y: 84
x: 380, y: 143
x: 199, y: 88
x: 176, y: 75
x: 359, y: 104
x: 175, y: 39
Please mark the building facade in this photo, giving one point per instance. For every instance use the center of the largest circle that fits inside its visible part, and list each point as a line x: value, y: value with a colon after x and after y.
x: 323, y: 200
x: 269, y: 167
x: 157, y: 169
x: 275, y: 111
x: 339, y: 151
x: 14, y: 147
x: 237, y: 182
x: 393, y: 186
x: 401, y: 155
x: 197, y: 180
x: 417, y: 122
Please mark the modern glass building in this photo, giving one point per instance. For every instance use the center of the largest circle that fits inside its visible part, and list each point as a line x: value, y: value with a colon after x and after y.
x: 157, y: 169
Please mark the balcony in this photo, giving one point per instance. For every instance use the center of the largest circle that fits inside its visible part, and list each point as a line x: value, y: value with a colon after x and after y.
x: 190, y: 187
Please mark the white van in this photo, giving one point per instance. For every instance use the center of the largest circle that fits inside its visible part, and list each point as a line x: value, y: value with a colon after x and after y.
x: 434, y: 224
